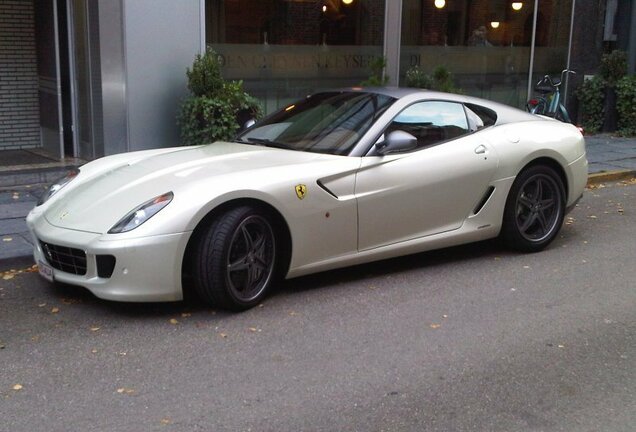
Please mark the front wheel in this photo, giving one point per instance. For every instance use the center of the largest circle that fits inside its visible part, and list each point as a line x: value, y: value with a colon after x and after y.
x: 236, y: 259
x: 534, y: 209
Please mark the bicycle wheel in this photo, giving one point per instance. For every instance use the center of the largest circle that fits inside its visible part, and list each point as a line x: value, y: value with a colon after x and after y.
x: 541, y: 107
x: 562, y: 114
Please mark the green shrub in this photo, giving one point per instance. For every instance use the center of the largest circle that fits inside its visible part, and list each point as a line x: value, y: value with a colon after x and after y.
x: 613, y: 67
x: 417, y: 78
x: 591, y: 95
x: 376, y: 79
x: 440, y: 80
x: 210, y: 113
x: 626, y: 105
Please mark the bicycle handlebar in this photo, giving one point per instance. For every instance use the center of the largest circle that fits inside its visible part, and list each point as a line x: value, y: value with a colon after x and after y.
x: 548, y: 79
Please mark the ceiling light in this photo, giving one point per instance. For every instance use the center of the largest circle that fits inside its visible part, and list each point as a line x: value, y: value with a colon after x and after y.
x: 440, y: 3
x: 494, y: 24
x: 517, y: 5
x: 324, y: 8
x: 347, y: 2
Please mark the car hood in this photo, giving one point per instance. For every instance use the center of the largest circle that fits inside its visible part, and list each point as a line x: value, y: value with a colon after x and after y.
x: 96, y: 202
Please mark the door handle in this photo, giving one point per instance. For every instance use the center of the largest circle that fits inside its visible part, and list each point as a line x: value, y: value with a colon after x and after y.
x: 480, y: 149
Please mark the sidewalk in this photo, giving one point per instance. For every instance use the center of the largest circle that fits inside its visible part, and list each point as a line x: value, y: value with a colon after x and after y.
x: 24, y: 175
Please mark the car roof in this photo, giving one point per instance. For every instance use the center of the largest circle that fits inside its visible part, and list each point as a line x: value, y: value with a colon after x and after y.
x: 505, y: 113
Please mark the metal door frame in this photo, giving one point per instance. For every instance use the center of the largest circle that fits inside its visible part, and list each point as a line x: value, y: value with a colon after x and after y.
x: 72, y: 78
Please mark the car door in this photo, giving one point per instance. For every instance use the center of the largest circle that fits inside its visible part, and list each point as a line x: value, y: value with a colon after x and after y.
x: 429, y: 190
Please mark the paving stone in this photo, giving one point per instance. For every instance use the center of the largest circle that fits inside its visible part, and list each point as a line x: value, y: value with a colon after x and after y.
x: 13, y: 226
x: 15, y: 210
x: 18, y: 246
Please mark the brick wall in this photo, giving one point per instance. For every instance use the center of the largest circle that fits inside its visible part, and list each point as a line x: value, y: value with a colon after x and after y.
x: 19, y: 109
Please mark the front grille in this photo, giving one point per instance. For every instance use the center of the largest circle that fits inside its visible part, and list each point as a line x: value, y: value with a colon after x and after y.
x: 64, y: 258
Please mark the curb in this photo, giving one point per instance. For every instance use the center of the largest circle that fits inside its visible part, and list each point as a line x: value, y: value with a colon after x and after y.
x: 16, y: 263
x: 608, y: 176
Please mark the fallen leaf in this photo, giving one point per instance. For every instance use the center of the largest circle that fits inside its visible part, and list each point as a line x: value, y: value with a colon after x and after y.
x: 593, y: 217
x: 166, y: 421
x: 223, y: 335
x: 8, y: 277
x: 122, y: 353
x: 94, y: 351
x: 55, y: 310
x: 561, y: 346
x: 7, y: 239
x: 186, y: 315
x: 42, y: 305
x: 173, y: 321
x: 526, y: 267
x: 435, y: 326
x: 122, y: 390
x: 292, y: 313
x: 17, y: 387
x: 94, y: 329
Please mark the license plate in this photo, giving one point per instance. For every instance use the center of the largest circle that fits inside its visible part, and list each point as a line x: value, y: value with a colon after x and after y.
x: 46, y: 271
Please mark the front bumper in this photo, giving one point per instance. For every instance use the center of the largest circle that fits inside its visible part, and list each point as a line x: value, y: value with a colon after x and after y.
x: 146, y: 268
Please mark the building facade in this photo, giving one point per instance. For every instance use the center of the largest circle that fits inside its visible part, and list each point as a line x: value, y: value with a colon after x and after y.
x: 87, y: 78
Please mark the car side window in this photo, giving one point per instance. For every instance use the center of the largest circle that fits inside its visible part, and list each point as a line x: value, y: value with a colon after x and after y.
x: 431, y: 122
x: 480, y: 117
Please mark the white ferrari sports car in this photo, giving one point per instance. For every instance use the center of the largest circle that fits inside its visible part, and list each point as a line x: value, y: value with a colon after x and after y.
x: 339, y: 178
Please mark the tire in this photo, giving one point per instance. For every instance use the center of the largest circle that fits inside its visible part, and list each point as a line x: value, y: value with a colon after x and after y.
x: 235, y: 259
x: 561, y: 114
x: 534, y: 210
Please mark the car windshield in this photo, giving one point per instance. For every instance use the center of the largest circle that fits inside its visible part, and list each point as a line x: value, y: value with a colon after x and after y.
x: 330, y: 122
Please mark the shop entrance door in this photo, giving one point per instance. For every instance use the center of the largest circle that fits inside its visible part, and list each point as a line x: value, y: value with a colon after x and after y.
x: 49, y: 81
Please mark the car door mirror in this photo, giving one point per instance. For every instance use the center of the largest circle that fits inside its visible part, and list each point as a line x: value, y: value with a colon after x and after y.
x: 248, y: 124
x: 395, y: 142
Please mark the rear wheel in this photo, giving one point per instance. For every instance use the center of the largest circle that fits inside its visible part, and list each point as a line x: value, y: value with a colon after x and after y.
x: 539, y: 108
x: 236, y: 259
x: 534, y: 209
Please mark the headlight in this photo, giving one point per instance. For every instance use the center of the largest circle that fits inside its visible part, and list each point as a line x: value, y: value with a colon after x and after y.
x: 141, y: 214
x: 57, y: 185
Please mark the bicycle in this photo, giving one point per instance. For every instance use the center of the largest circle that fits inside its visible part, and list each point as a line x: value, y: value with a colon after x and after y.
x: 549, y: 102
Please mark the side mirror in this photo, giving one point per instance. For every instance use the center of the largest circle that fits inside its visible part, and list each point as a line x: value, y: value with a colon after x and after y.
x: 245, y: 119
x: 395, y: 142
x: 248, y: 124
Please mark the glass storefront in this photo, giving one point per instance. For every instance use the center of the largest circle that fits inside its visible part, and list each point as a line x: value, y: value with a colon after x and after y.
x: 486, y: 44
x: 285, y: 49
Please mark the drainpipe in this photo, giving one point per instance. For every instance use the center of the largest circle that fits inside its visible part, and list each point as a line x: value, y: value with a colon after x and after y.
x: 534, y: 37
x: 567, y: 75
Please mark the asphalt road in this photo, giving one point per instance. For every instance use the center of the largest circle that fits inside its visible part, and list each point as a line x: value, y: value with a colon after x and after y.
x: 465, y: 339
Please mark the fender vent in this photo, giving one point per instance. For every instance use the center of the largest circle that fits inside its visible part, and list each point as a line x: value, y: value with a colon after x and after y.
x: 484, y: 199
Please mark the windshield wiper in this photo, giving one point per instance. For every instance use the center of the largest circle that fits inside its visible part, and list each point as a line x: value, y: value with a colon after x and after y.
x: 269, y: 143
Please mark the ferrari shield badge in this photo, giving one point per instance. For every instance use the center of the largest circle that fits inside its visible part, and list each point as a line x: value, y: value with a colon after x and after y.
x: 301, y: 191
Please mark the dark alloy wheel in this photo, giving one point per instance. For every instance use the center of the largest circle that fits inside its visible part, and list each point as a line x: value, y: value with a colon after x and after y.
x: 236, y: 259
x: 534, y: 210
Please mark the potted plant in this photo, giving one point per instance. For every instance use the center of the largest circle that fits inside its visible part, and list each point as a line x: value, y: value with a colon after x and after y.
x: 216, y: 108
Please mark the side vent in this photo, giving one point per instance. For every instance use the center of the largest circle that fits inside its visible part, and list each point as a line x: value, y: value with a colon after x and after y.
x: 323, y: 187
x: 484, y: 199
